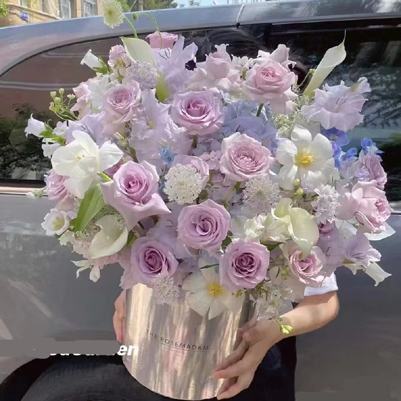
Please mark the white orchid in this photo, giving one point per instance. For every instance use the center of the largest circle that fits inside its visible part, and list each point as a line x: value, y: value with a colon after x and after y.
x: 110, y: 239
x: 300, y: 224
x: 309, y: 160
x: 82, y: 161
x: 208, y: 296
x: 56, y: 222
x: 35, y: 127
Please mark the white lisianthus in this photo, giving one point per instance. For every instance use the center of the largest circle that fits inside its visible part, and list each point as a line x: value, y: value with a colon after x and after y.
x: 309, y: 160
x: 208, y: 296
x: 91, y: 60
x: 56, y: 222
x: 275, y: 230
x: 82, y: 161
x: 112, y: 13
x: 110, y: 239
x: 300, y: 224
x: 35, y: 127
x: 49, y: 148
x: 250, y: 229
x: 67, y: 238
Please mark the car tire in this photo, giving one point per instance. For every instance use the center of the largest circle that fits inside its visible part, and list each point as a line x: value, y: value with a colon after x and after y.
x: 88, y: 379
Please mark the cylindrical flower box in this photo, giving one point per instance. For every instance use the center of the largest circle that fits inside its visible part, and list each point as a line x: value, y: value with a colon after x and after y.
x: 172, y: 350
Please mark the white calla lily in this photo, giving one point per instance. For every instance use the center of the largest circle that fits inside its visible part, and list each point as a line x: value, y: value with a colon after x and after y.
x: 300, y: 224
x: 208, y: 296
x: 82, y: 161
x: 331, y: 59
x: 110, y: 239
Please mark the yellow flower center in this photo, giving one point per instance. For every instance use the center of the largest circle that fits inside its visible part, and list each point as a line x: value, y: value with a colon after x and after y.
x: 214, y: 290
x: 303, y: 159
x: 58, y: 223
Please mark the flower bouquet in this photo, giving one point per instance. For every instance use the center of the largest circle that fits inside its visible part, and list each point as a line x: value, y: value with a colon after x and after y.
x: 215, y: 188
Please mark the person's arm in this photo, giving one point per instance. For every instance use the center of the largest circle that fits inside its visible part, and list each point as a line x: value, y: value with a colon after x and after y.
x: 312, y: 313
x: 119, y: 316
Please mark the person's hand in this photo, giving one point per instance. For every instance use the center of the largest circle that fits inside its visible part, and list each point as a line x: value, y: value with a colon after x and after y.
x: 119, y: 317
x: 240, y: 367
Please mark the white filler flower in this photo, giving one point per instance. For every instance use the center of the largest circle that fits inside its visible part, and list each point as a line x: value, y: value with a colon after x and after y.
x: 326, y: 204
x: 208, y: 296
x: 183, y: 184
x: 112, y: 13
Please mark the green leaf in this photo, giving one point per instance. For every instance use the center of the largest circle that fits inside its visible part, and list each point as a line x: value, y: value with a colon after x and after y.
x: 227, y: 241
x: 139, y: 50
x: 131, y: 239
x: 207, y: 266
x: 91, y: 205
x: 271, y: 247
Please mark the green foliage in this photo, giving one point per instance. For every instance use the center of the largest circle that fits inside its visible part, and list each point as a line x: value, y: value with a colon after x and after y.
x: 91, y: 205
x: 4, y: 10
x: 20, y: 154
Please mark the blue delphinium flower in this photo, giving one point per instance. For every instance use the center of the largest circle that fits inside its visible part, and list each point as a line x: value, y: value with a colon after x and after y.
x: 335, y: 135
x: 368, y: 146
x: 166, y: 154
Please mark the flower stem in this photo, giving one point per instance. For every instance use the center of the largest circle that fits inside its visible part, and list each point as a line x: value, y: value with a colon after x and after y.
x: 132, y: 26
x: 260, y: 108
x: 157, y: 28
x: 104, y: 177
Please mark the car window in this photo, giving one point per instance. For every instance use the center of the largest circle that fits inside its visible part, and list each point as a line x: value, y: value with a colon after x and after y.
x: 373, y: 53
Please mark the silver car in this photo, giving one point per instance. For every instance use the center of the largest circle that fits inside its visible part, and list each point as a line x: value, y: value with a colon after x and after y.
x: 357, y: 356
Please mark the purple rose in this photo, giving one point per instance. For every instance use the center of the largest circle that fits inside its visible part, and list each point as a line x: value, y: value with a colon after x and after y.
x: 308, y: 270
x: 121, y: 101
x: 368, y: 204
x: 203, y: 226
x: 244, y: 265
x: 244, y: 157
x: 150, y: 258
x: 168, y: 40
x: 133, y: 192
x: 372, y: 170
x: 270, y: 82
x: 197, y: 163
x: 199, y: 112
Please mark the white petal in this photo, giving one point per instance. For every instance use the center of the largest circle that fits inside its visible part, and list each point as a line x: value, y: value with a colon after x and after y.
x: 232, y: 302
x: 287, y: 175
x: 109, y: 155
x: 66, y: 157
x: 216, y: 308
x: 210, y: 275
x: 87, y: 143
x: 388, y: 232
x: 194, y: 283
x: 301, y: 137
x: 377, y: 273
x: 286, y: 152
x: 200, y: 302
x: 95, y: 274
x: 333, y: 57
x: 139, y: 50
x: 321, y: 148
x: 109, y: 240
x: 78, y: 187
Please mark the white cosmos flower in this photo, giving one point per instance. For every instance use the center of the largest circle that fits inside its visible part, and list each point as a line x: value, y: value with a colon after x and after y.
x: 110, y: 239
x: 91, y: 60
x: 56, y: 222
x: 300, y: 224
x: 82, y: 160
x: 35, y: 127
x: 112, y: 13
x: 310, y: 160
x: 208, y: 296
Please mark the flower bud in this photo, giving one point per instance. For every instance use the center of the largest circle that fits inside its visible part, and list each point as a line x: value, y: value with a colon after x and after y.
x: 53, y: 94
x: 296, y: 182
x: 61, y: 91
x: 299, y: 191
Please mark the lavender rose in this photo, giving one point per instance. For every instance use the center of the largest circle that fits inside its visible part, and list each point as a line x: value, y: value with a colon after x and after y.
x: 308, y: 270
x: 199, y: 112
x: 197, y: 163
x: 56, y: 191
x: 368, y: 204
x: 244, y: 157
x: 133, y: 192
x: 168, y: 40
x: 270, y: 82
x: 369, y: 165
x: 244, y: 265
x: 121, y: 101
x: 203, y: 226
x: 150, y: 258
